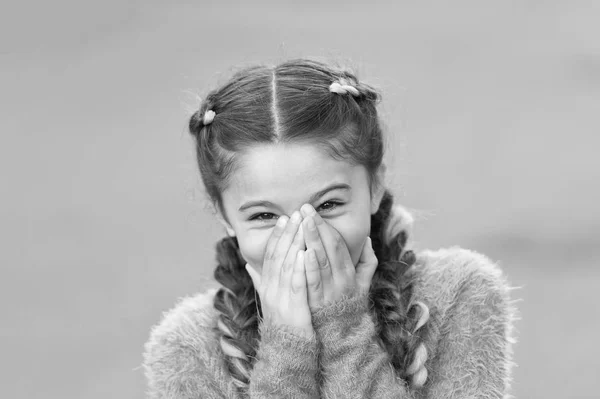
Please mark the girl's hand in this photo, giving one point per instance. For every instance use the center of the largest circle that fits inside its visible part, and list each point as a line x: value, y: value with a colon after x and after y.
x: 282, y: 285
x: 330, y: 272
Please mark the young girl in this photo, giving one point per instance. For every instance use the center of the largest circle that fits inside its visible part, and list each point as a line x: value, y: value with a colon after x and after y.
x: 320, y: 296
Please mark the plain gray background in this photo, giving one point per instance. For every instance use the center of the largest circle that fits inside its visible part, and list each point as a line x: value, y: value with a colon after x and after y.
x: 492, y: 110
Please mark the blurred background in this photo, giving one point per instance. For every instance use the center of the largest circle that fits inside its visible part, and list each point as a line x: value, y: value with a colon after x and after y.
x: 492, y: 112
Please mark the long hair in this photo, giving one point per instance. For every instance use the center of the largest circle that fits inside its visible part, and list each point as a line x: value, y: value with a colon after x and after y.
x: 292, y: 103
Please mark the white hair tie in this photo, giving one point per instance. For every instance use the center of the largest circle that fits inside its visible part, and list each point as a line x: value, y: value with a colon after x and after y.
x: 342, y: 87
x: 209, y: 115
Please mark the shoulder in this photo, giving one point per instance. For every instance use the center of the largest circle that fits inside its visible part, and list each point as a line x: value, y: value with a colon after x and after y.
x: 441, y: 276
x: 444, y: 275
x: 188, y: 316
x: 471, y: 320
x: 183, y: 347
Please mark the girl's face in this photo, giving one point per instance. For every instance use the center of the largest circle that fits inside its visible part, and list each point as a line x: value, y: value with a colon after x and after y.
x: 276, y: 180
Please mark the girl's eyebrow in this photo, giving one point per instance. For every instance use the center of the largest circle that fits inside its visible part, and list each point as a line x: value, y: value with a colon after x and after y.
x: 315, y: 196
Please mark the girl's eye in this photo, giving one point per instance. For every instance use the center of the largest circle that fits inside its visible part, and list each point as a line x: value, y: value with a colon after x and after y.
x: 332, y: 205
x: 258, y: 216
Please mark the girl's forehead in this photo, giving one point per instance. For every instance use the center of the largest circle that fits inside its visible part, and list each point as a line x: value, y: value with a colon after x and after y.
x: 288, y: 172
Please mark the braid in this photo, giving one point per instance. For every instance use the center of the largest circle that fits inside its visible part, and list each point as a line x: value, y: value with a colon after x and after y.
x: 399, y: 324
x: 237, y: 305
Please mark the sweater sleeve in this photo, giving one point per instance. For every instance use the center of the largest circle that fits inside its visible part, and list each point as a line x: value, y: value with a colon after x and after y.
x: 183, y: 359
x: 353, y: 364
x: 469, y: 342
x: 286, y: 367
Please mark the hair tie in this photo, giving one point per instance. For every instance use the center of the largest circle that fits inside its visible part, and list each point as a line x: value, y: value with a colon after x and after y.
x: 342, y: 87
x: 209, y: 115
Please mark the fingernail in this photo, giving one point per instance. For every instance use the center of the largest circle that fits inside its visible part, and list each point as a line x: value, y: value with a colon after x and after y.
x: 311, y: 223
x: 295, y: 217
x: 307, y: 210
x: 282, y: 221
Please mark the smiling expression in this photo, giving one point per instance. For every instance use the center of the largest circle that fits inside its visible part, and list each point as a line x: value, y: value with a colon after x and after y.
x: 276, y: 180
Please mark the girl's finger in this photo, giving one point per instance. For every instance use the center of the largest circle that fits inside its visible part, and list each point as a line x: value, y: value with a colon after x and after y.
x: 313, y: 240
x: 272, y: 250
x: 279, y: 254
x: 287, y: 239
x: 298, y: 283
x: 335, y: 247
x: 314, y: 285
x: 287, y: 267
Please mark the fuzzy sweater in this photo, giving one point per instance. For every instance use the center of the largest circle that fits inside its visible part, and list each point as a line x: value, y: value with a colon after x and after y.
x: 469, y: 345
